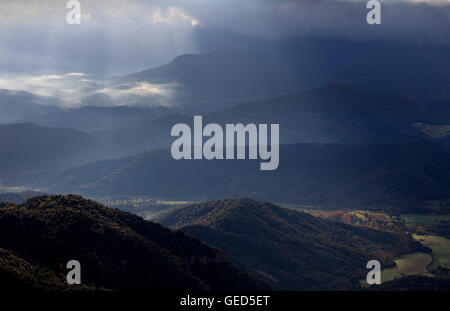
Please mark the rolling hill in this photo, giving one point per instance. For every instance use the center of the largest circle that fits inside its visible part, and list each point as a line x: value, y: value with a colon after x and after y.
x: 19, y: 105
x: 289, y: 250
x: 332, y: 113
x: 29, y: 147
x: 335, y: 112
x: 141, y: 137
x: 117, y: 251
x: 97, y: 118
x: 397, y: 176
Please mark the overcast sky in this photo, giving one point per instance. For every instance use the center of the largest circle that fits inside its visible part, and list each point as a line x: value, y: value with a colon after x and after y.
x: 40, y: 52
x: 119, y: 36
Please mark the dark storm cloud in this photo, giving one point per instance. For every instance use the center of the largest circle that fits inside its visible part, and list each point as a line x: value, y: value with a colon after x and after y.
x: 401, y: 20
x: 129, y: 35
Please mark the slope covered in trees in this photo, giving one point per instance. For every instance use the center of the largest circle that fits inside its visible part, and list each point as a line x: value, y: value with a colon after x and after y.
x: 117, y: 250
x: 289, y: 250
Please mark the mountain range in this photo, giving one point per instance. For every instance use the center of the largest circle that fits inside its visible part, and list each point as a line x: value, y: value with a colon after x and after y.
x: 256, y: 69
x: 400, y: 176
x: 333, y: 113
x: 377, y: 139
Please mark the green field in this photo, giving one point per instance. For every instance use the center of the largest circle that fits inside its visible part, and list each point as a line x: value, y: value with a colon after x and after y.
x: 424, y: 219
x: 440, y: 247
x: 411, y: 264
x: 390, y: 274
x: 436, y: 131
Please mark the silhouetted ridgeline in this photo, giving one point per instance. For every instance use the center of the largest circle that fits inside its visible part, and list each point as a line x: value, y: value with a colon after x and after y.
x: 117, y: 250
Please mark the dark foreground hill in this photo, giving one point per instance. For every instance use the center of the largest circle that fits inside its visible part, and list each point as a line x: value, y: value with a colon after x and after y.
x: 289, y: 250
x: 117, y: 250
x: 398, y: 174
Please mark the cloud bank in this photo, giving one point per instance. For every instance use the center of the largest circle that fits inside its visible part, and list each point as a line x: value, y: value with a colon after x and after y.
x: 124, y: 36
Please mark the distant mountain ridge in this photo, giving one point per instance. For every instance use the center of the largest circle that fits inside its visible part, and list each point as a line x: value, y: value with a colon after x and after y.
x: 398, y: 176
x: 335, y: 112
x: 19, y: 105
x: 19, y: 197
x: 29, y: 147
x: 98, y: 118
x: 332, y: 113
x: 267, y: 69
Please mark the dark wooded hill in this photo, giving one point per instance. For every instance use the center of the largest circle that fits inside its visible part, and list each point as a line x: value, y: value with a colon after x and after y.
x: 117, y: 250
x: 289, y: 250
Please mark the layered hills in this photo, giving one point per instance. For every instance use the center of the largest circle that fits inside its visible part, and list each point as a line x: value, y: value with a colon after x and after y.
x: 261, y: 70
x: 289, y: 250
x: 332, y: 113
x: 117, y: 250
x: 398, y: 174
